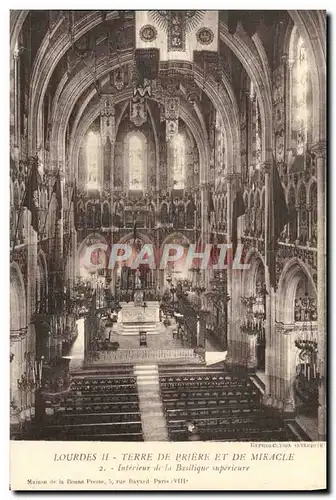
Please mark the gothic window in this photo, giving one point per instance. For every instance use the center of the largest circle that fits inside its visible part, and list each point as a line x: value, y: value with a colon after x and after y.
x: 313, y: 204
x: 263, y: 211
x: 246, y: 216
x: 303, y: 215
x: 164, y: 213
x: 300, y: 94
x: 92, y: 160
x: 178, y: 161
x: 252, y: 214
x: 225, y: 213
x: 255, y: 143
x: 136, y: 161
x: 257, y: 138
x: 257, y: 213
x: 190, y: 217
x: 292, y: 226
x: 106, y: 215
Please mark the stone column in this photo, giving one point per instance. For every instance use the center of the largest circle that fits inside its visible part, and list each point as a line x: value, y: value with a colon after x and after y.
x: 237, y: 341
x: 15, y: 104
x: 17, y: 368
x: 252, y: 358
x: 107, y: 131
x: 320, y: 150
x: 283, y: 376
x: 55, y: 235
x: 30, y: 341
x: 270, y: 299
x: 230, y: 359
x: 60, y: 259
x: 204, y: 221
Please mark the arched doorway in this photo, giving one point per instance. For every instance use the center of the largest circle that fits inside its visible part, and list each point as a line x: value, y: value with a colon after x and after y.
x: 127, y: 273
x: 297, y: 311
x: 254, y: 289
x: 176, y: 270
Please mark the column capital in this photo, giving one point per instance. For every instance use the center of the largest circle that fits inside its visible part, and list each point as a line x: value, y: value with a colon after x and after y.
x: 283, y: 329
x: 319, y: 149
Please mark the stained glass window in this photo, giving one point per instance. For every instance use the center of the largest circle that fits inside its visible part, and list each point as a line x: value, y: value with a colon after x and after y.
x: 136, y: 158
x: 178, y: 160
x: 299, y: 94
x: 92, y: 159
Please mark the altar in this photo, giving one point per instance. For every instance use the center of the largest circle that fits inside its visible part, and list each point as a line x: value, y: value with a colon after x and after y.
x: 132, y: 314
x: 133, y: 319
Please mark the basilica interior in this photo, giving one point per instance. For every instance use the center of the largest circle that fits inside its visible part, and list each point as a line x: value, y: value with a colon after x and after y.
x: 114, y: 142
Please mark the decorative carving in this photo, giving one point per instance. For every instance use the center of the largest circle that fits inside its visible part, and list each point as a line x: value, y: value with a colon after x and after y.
x: 107, y: 121
x: 119, y: 76
x: 171, y: 129
x: 172, y: 108
x: 205, y: 36
x: 148, y: 33
x: 138, y: 112
x: 287, y: 252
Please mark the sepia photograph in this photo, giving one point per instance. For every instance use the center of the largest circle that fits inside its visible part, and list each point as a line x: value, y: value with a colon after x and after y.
x: 167, y: 238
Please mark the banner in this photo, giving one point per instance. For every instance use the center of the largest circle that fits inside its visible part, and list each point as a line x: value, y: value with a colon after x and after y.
x: 177, y: 34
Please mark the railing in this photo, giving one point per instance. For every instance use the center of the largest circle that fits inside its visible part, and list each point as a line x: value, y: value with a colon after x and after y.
x: 135, y: 355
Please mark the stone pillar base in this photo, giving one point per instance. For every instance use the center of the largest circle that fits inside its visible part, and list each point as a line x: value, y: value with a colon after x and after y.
x: 322, y: 423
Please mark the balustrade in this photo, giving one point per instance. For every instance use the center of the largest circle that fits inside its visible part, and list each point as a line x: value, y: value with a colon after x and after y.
x: 150, y: 211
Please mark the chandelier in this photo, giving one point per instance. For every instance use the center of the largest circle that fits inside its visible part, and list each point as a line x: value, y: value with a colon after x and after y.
x: 32, y: 380
x: 253, y: 322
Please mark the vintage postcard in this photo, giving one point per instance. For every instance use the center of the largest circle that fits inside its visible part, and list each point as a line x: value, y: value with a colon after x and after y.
x: 167, y: 250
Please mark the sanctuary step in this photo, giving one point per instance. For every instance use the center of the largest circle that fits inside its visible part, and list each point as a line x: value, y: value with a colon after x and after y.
x: 152, y: 415
x: 222, y: 406
x: 136, y: 328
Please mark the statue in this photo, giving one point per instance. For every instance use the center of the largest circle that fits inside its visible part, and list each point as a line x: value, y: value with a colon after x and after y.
x: 137, y: 279
x: 138, y: 293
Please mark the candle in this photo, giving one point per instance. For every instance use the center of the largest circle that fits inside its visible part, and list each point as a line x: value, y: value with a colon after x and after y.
x: 308, y: 372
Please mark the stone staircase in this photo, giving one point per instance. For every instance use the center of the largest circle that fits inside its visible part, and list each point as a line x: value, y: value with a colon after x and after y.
x: 152, y: 416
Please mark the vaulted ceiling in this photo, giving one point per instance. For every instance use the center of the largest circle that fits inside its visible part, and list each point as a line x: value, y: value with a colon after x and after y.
x: 71, y: 57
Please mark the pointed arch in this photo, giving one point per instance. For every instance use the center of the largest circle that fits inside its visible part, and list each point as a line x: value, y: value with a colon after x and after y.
x: 135, y: 161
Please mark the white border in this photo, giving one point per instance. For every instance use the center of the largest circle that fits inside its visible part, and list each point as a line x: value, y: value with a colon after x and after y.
x: 4, y: 173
